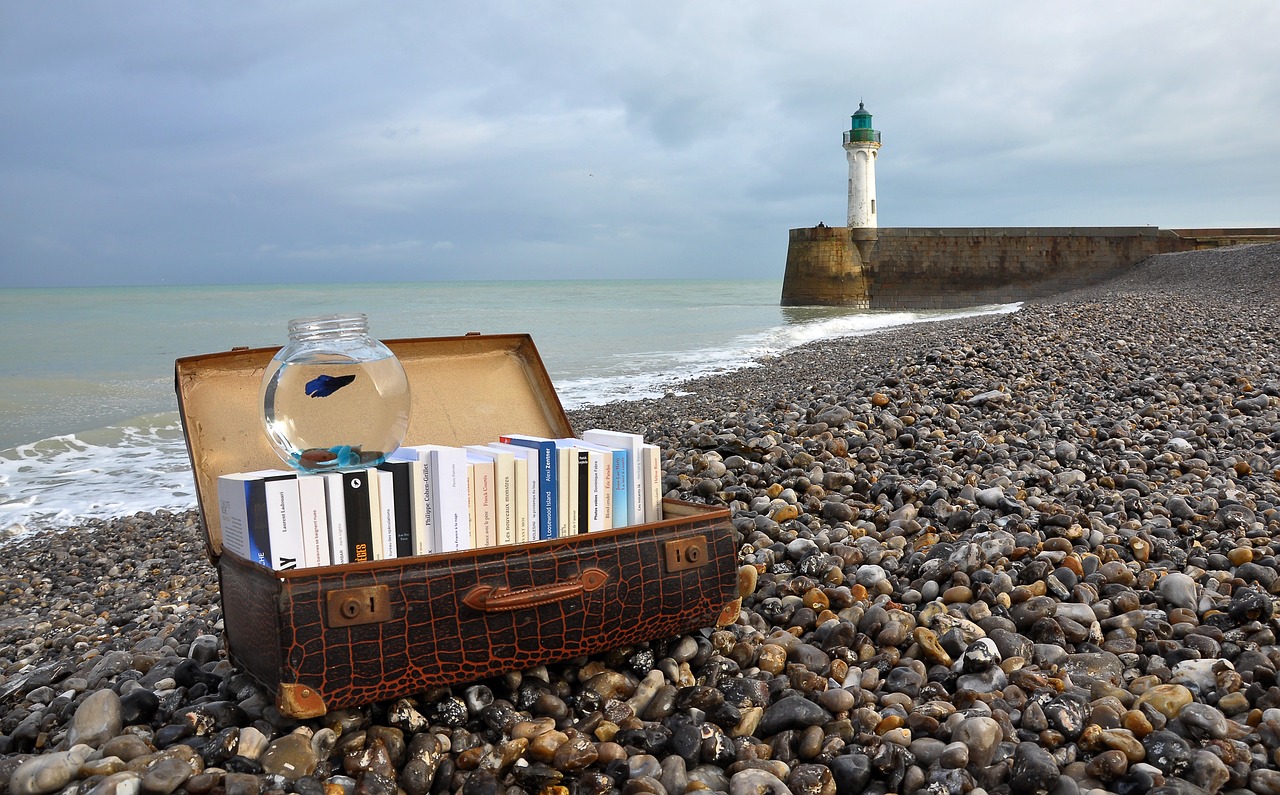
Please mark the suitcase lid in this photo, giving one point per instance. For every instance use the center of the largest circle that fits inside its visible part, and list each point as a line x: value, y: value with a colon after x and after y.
x: 464, y: 390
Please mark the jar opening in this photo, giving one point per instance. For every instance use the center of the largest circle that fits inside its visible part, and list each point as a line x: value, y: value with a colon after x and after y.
x: 340, y: 326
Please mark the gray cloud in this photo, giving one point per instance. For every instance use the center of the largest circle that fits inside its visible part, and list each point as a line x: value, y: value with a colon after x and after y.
x: 188, y: 142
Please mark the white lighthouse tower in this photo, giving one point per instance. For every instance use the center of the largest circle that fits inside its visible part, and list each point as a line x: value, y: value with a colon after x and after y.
x: 861, y: 144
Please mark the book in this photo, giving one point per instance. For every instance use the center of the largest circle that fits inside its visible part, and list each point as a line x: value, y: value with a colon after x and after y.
x: 443, y: 492
x: 242, y: 511
x: 284, y: 523
x: 360, y: 497
x: 504, y: 475
x: 524, y: 498
x: 567, y: 489
x: 612, y: 466
x: 451, y: 516
x: 313, y: 501
x: 652, y: 456
x: 631, y: 444
x: 339, y: 550
x: 484, y: 522
x: 410, y: 507
x: 527, y: 484
x: 548, y: 479
x: 384, y: 540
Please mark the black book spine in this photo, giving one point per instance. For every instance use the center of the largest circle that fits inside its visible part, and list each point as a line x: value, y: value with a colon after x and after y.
x: 355, y: 490
x: 402, y: 486
x: 584, y: 491
x: 259, y: 533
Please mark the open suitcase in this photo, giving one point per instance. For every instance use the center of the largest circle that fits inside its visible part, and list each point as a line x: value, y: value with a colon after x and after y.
x: 338, y: 636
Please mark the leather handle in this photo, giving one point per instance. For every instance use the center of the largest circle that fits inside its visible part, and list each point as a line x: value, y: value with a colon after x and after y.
x: 489, y: 598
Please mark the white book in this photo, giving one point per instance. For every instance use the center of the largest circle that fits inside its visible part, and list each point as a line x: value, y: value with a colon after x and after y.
x: 567, y: 490
x: 438, y: 496
x: 632, y: 443
x: 481, y: 482
x: 527, y: 475
x: 504, y: 486
x: 652, y: 456
x: 384, y: 543
x: 284, y: 520
x: 314, y: 502
x: 451, y: 515
x: 429, y: 542
x: 522, y: 507
x: 338, y: 549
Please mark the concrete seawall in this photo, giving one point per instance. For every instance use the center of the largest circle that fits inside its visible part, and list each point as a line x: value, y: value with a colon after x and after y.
x: 942, y: 268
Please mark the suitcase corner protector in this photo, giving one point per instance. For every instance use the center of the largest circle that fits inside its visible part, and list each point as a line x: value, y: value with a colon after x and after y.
x: 300, y: 701
x: 730, y: 613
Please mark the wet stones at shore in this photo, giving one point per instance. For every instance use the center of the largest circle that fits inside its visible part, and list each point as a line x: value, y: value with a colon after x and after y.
x: 1029, y: 554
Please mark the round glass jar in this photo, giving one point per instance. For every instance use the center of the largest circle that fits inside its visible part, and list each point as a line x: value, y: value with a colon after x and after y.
x: 334, y: 398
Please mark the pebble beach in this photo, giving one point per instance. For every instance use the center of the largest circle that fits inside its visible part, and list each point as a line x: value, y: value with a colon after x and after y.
x: 1025, y: 553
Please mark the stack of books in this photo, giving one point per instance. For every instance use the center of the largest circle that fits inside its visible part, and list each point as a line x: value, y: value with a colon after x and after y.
x: 427, y: 499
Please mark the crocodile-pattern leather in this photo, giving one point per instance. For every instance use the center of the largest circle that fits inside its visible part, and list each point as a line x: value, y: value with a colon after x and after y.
x: 435, y: 638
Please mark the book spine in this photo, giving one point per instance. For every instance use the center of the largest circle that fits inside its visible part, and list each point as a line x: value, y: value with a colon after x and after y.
x: 259, y: 530
x: 602, y: 462
x: 504, y: 466
x: 450, y: 487
x: 548, y: 480
x: 339, y: 548
x: 653, y: 483
x: 568, y: 493
x: 621, y: 516
x: 484, y: 521
x: 284, y: 522
x: 402, y: 505
x: 233, y: 515
x: 428, y: 542
x: 315, y: 520
x: 523, y: 509
x: 356, y: 490
x: 586, y: 505
x: 385, y: 543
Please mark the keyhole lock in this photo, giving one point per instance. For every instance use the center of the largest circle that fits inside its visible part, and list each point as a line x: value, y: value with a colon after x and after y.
x: 686, y: 553
x: 354, y: 606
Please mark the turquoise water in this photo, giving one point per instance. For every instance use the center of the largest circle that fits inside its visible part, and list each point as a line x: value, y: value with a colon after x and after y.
x: 88, y: 417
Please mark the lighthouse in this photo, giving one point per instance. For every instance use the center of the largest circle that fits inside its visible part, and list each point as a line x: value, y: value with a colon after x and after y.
x: 861, y: 144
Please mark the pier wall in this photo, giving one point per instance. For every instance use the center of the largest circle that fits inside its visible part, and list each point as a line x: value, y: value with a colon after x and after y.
x: 942, y: 268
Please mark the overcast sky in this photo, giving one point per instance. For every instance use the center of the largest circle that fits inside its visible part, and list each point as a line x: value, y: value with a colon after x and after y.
x: 175, y: 141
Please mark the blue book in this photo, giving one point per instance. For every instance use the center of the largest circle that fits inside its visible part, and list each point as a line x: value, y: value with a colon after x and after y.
x: 548, y: 471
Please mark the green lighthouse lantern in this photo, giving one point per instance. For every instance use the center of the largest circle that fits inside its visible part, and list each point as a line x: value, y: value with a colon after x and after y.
x: 860, y: 128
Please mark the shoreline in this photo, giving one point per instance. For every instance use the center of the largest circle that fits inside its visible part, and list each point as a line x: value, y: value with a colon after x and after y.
x: 1018, y: 552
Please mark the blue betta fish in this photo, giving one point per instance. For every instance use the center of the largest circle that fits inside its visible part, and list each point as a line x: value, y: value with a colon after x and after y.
x: 326, y: 385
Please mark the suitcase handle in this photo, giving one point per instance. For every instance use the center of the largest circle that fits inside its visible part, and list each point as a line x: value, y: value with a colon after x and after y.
x: 490, y: 599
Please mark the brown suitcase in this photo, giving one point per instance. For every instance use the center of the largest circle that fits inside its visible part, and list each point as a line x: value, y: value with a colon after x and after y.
x: 339, y: 636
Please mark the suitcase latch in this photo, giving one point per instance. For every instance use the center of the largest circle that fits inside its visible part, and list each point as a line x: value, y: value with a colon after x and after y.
x: 686, y: 553
x: 351, y: 606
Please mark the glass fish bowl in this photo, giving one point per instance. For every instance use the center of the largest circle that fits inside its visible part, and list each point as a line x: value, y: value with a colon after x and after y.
x: 333, y: 398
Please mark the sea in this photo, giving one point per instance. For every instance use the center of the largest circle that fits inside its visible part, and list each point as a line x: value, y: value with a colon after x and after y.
x: 89, y: 426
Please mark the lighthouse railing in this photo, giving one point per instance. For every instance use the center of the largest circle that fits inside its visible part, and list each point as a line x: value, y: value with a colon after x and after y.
x: 862, y: 136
